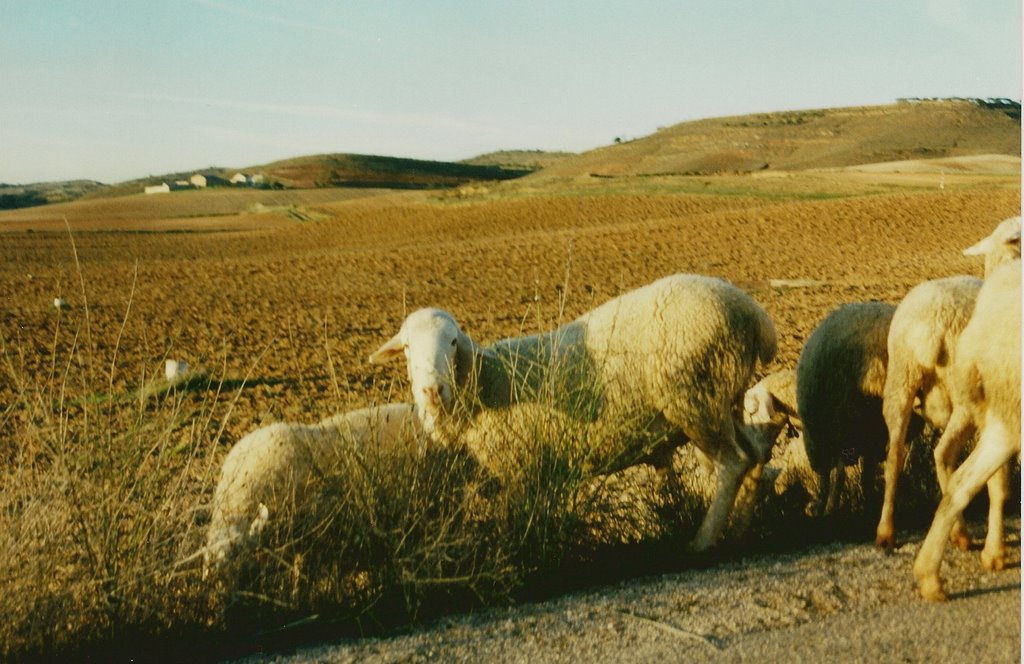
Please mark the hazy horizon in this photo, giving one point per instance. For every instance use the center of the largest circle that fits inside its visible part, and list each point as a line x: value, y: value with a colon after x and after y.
x: 95, y: 91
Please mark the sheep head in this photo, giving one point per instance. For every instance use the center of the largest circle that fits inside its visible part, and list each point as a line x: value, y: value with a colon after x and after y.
x: 763, y: 419
x: 438, y: 358
x: 1002, y: 245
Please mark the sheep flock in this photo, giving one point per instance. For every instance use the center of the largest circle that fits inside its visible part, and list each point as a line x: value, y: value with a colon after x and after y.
x: 677, y: 362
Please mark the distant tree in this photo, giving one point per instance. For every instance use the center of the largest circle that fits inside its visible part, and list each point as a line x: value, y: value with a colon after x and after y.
x: 21, y: 200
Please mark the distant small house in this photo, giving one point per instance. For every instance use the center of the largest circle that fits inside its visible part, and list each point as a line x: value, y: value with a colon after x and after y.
x: 181, y: 184
x: 246, y: 179
x: 158, y: 189
x: 200, y: 180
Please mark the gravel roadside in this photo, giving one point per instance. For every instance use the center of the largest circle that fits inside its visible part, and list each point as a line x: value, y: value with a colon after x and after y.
x: 836, y: 602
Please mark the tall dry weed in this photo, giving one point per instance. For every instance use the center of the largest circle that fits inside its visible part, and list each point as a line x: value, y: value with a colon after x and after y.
x: 104, y: 498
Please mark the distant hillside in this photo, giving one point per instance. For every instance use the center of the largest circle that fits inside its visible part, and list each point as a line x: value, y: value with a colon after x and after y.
x: 354, y: 170
x: 529, y: 160
x: 42, y: 193
x: 827, y: 138
x: 912, y: 129
x: 337, y: 170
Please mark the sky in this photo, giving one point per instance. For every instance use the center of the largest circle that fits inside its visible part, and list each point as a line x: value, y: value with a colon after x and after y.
x: 116, y: 90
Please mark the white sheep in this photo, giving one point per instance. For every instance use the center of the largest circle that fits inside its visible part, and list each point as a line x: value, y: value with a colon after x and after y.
x: 921, y: 346
x: 840, y: 377
x: 987, y: 382
x: 268, y: 472
x: 670, y: 360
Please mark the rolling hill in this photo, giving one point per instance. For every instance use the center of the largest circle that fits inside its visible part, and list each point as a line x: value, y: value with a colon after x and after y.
x: 42, y: 193
x: 354, y: 170
x: 782, y: 141
x: 340, y: 170
x: 800, y: 140
x: 530, y: 160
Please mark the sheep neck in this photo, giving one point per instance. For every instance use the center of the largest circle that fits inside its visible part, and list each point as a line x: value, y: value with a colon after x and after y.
x: 550, y: 367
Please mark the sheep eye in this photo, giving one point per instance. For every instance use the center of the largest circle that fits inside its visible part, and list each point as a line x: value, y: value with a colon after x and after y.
x: 453, y: 342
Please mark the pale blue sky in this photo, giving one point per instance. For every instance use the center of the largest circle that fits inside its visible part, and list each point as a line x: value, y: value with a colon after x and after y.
x: 112, y: 90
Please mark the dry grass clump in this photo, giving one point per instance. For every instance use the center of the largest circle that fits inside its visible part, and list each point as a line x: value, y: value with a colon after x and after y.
x: 105, y: 498
x: 97, y: 509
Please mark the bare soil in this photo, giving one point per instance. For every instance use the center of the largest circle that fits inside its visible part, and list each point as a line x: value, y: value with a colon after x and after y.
x: 284, y: 311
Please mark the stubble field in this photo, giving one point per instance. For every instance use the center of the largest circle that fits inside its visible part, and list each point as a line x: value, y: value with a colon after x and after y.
x: 277, y: 307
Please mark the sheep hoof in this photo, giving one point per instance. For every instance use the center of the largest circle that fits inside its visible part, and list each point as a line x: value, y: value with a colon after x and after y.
x: 885, y: 541
x: 931, y: 590
x: 993, y: 562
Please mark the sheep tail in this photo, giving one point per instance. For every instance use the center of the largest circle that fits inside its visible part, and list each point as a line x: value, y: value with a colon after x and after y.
x: 767, y: 339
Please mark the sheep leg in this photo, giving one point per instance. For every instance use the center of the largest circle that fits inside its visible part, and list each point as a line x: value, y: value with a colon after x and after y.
x: 993, y: 556
x: 730, y: 476
x: 993, y: 450
x: 946, y: 453
x: 820, y: 502
x: 869, y: 466
x: 830, y: 485
x: 746, y: 500
x: 732, y: 464
x: 836, y: 490
x: 897, y: 418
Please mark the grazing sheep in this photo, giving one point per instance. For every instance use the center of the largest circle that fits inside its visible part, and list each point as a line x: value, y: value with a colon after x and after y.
x: 921, y: 347
x: 987, y: 382
x: 269, y: 470
x: 670, y: 359
x: 922, y: 342
x: 840, y: 376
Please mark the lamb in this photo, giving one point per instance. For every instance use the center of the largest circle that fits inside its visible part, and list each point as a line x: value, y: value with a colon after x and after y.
x: 921, y: 345
x: 987, y: 380
x: 669, y: 360
x: 270, y: 469
x: 840, y: 377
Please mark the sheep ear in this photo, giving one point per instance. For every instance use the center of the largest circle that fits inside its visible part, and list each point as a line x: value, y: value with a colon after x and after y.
x: 467, y: 354
x: 980, y: 248
x: 1014, y: 238
x: 389, y: 351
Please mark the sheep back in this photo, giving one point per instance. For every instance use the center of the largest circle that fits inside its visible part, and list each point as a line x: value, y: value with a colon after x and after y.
x: 988, y: 368
x: 922, y: 342
x: 273, y: 467
x: 688, y: 344
x: 840, y: 378
x: 929, y: 320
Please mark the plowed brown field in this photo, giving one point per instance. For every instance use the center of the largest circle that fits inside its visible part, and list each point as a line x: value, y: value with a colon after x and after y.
x: 296, y: 307
x: 280, y: 301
